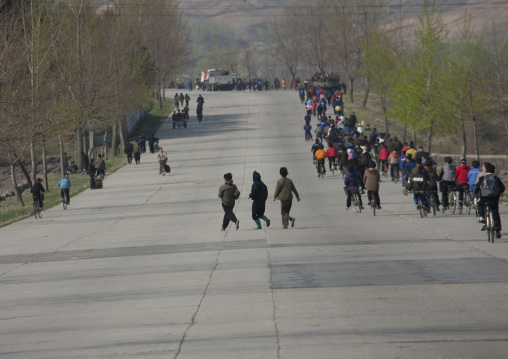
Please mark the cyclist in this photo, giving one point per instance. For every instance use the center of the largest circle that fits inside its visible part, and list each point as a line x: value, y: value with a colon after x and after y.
x: 408, y: 167
x: 331, y: 153
x: 65, y: 185
x: 314, y: 148
x: 419, y: 181
x: 431, y: 170
x: 162, y: 157
x: 301, y: 92
x: 320, y: 155
x: 461, y: 174
x: 38, y: 192
x: 308, y: 134
x: 446, y: 178
x: 352, y: 182
x: 383, y: 157
x: 393, y: 161
x: 490, y: 189
x: 473, y: 174
x: 371, y: 179
x: 402, y: 163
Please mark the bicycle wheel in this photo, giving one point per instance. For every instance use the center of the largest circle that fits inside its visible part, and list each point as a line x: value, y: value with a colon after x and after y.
x: 373, y: 205
x: 492, y: 229
x: 64, y: 201
x: 460, y: 208
x: 433, y: 204
x: 488, y: 224
x: 421, y: 208
x: 467, y: 203
x: 356, y: 203
x: 452, y: 202
x: 36, y: 205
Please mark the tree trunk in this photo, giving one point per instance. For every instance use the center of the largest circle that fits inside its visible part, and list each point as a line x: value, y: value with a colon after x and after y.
x: 366, y: 95
x: 121, y: 133
x: 383, y: 106
x: 33, y: 160
x: 429, y: 136
x: 414, y: 138
x: 475, y: 135
x: 351, y: 89
x: 105, y: 145
x: 79, y: 148
x: 44, y: 164
x: 114, y: 144
x: 15, y: 185
x: 84, y: 141
x: 404, y: 136
x: 159, y: 91
x: 463, y: 139
x: 91, y: 139
x: 60, y: 140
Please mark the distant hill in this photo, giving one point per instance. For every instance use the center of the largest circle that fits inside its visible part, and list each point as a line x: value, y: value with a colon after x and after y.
x: 244, y: 16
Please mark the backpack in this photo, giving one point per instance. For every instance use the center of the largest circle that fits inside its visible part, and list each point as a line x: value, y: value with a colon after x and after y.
x: 489, y: 187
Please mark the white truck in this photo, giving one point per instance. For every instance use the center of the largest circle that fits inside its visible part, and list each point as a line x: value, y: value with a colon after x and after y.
x: 214, y: 80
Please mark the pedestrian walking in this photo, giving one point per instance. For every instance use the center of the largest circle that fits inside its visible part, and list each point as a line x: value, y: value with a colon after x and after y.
x: 284, y: 193
x: 229, y: 193
x: 258, y: 194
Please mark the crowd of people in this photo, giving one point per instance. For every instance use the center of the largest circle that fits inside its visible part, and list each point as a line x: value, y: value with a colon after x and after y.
x: 363, y: 154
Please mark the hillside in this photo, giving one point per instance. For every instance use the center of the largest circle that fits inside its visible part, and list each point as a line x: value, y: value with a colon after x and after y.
x: 242, y: 16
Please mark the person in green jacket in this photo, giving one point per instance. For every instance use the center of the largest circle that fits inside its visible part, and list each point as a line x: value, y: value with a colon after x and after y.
x: 228, y: 193
x: 284, y: 193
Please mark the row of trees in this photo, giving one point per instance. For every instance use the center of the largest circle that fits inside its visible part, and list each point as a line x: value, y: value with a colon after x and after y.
x: 428, y: 80
x: 73, y: 69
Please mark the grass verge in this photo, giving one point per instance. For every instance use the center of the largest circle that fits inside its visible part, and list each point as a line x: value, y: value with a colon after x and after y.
x: 11, y: 211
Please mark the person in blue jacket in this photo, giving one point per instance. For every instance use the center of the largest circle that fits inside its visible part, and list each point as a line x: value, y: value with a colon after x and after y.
x: 473, y: 174
x: 65, y: 185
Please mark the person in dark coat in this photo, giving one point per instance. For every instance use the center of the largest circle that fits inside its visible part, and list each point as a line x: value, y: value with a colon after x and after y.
x: 91, y: 173
x: 258, y: 194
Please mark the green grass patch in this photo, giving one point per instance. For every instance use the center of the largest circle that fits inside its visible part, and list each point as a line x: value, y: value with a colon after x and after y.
x: 154, y: 119
x: 11, y: 211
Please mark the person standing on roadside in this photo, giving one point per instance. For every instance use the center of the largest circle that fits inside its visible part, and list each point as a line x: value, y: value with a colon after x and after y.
x: 136, y: 151
x: 91, y: 173
x: 284, y: 193
x: 258, y: 194
x: 228, y: 193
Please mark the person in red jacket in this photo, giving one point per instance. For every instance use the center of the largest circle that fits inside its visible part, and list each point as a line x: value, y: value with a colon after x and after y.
x: 331, y: 153
x: 383, y: 158
x: 461, y: 174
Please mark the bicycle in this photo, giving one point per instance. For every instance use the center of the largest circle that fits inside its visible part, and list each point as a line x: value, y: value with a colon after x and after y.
x: 384, y: 168
x: 467, y: 201
x: 372, y: 203
x: 38, y: 211
x: 489, y: 223
x: 65, y: 200
x: 396, y: 175
x: 421, y: 196
x: 433, y: 204
x: 452, y: 199
x: 355, y: 202
x: 333, y: 168
x: 321, y: 169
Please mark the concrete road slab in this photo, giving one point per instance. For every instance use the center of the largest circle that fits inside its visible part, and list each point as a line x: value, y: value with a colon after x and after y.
x: 141, y: 269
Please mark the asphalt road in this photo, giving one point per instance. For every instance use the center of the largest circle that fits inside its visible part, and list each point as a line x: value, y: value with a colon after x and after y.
x: 141, y: 268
